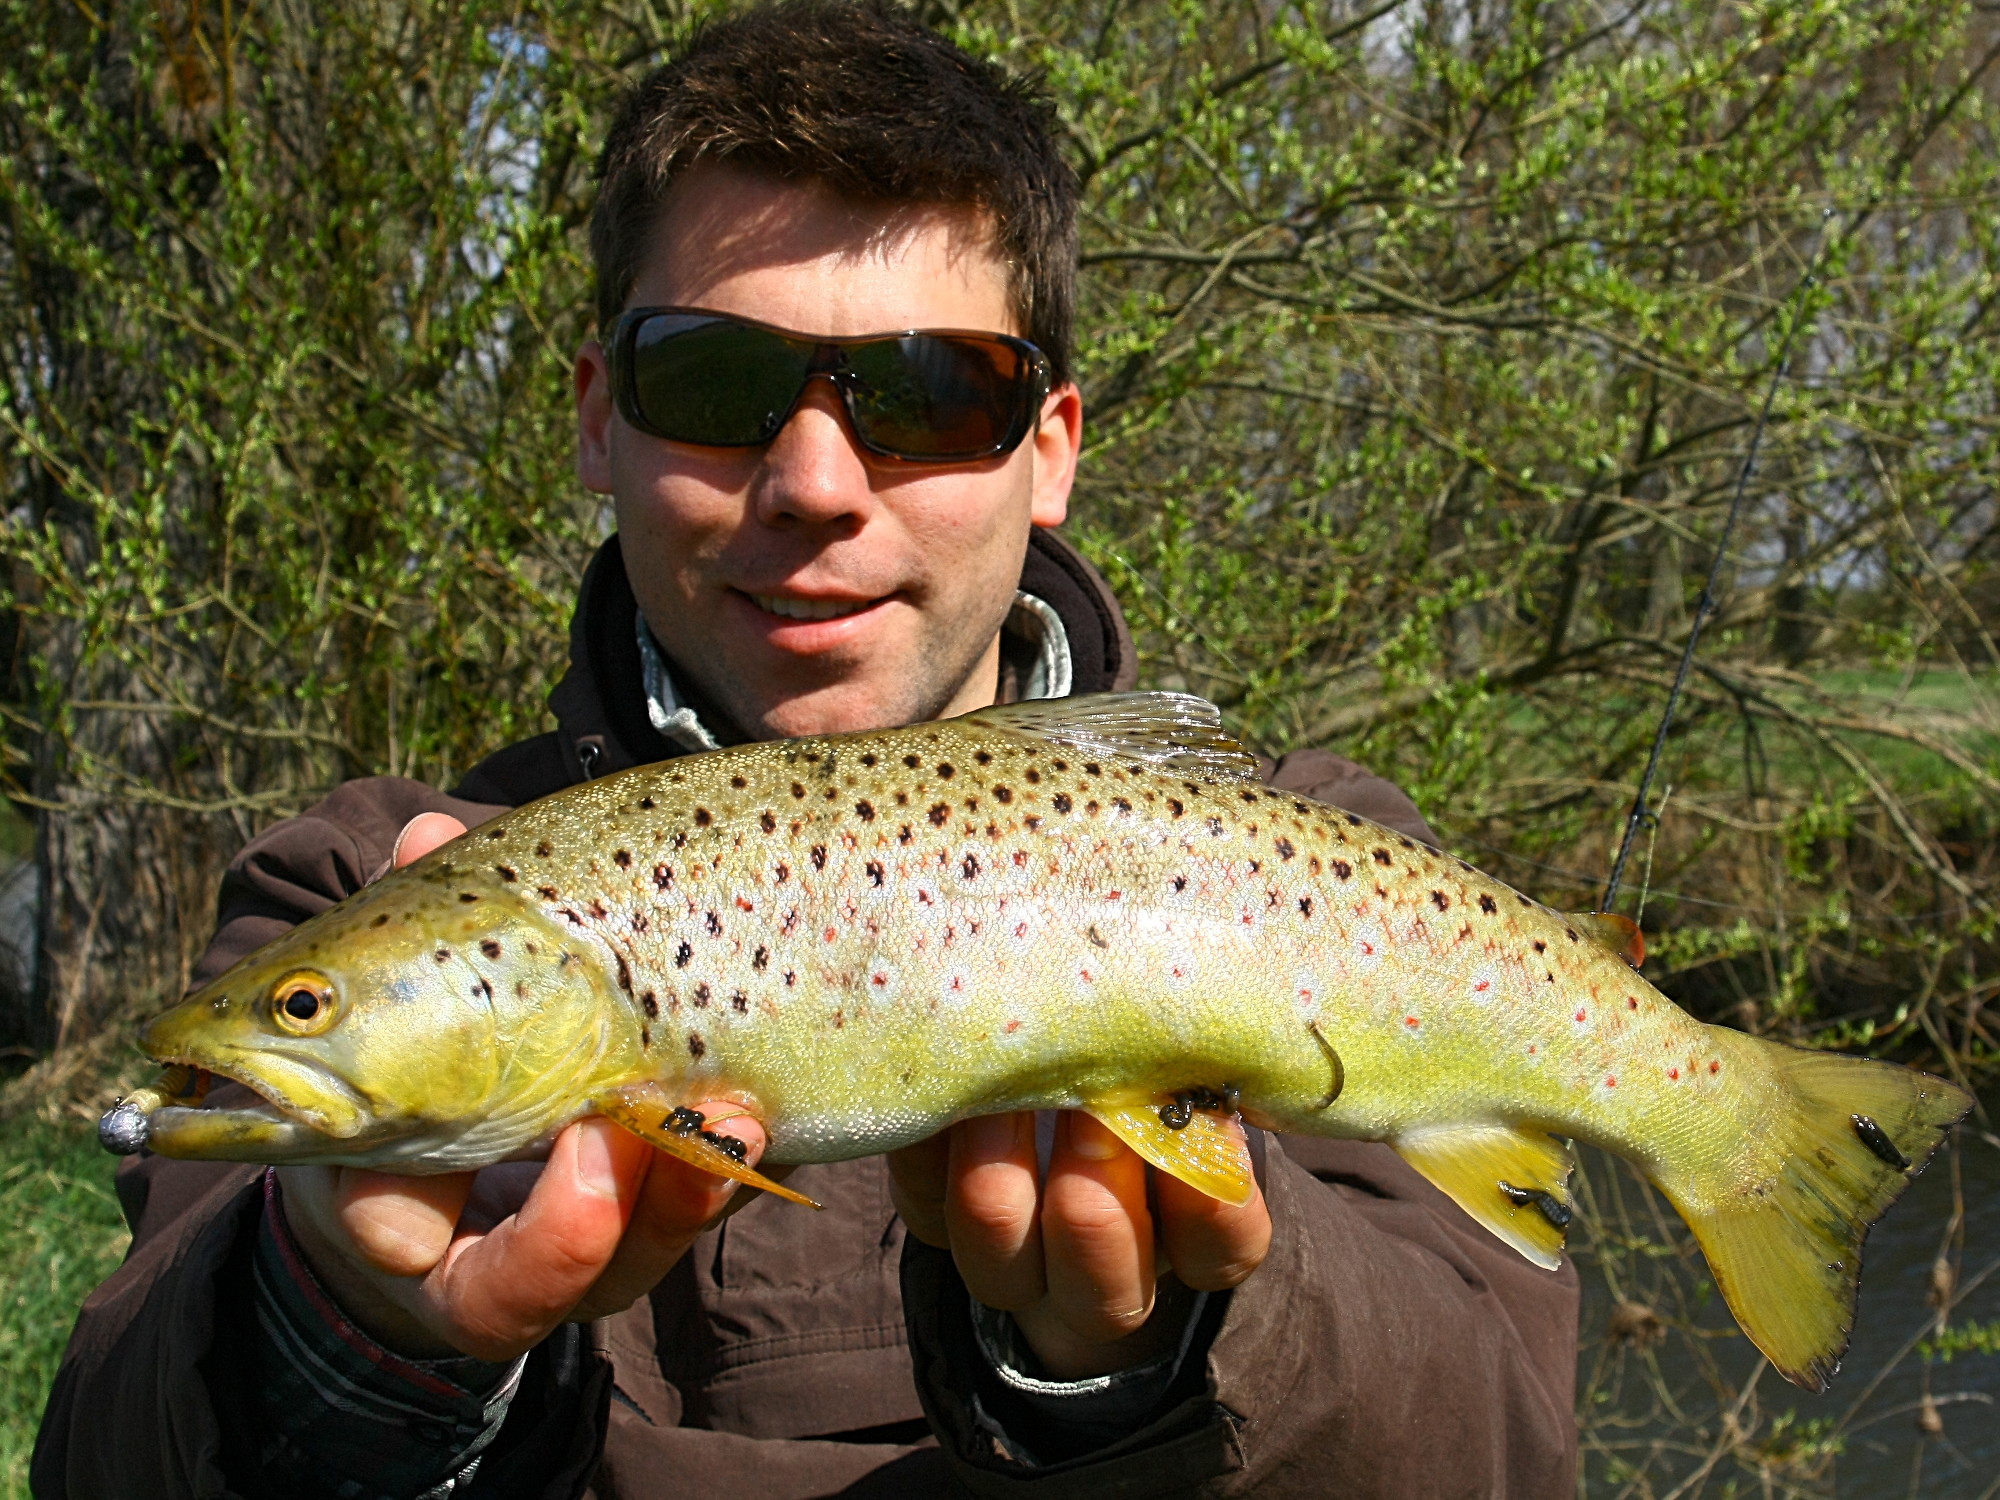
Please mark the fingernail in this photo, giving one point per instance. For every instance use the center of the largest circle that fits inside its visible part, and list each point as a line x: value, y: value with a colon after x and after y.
x: 1091, y: 1140
x: 988, y: 1138
x: 596, y: 1171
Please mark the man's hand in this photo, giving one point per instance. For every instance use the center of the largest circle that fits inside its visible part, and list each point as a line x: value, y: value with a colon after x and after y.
x: 1076, y: 1258
x: 488, y: 1263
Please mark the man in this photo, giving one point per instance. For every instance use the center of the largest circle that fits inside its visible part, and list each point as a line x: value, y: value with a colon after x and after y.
x: 818, y: 531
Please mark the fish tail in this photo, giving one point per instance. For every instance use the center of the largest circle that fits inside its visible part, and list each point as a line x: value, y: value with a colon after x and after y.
x: 1837, y: 1141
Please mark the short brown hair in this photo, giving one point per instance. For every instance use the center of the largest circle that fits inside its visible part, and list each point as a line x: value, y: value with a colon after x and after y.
x: 861, y: 96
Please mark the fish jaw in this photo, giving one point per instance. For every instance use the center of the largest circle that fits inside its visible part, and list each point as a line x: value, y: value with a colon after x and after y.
x: 452, y: 1036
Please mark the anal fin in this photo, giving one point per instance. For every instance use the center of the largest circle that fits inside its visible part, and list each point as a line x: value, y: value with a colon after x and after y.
x: 646, y: 1111
x: 1209, y: 1153
x: 1515, y: 1181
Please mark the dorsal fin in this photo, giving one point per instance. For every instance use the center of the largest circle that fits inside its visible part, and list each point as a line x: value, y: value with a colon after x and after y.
x: 1172, y: 730
x: 1613, y: 933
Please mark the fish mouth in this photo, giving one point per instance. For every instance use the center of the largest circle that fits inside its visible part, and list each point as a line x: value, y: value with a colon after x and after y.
x: 169, y: 1117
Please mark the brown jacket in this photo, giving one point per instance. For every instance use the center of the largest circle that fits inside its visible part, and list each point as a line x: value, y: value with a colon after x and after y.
x: 1389, y: 1347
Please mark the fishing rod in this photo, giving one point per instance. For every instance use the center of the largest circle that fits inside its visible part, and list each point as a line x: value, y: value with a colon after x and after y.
x: 1642, y: 814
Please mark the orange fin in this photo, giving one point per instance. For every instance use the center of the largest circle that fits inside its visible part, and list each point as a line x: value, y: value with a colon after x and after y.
x: 1612, y: 933
x: 1206, y: 1153
x: 645, y: 1110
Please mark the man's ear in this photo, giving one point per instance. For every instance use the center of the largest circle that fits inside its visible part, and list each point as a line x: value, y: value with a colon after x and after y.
x: 594, y: 415
x: 1057, y: 439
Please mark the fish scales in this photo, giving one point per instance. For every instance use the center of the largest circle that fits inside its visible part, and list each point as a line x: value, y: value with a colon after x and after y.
x: 1092, y: 904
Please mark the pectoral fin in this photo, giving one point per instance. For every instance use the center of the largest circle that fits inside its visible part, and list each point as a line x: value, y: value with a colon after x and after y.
x: 1208, y: 1153
x: 1514, y: 1181
x: 645, y: 1110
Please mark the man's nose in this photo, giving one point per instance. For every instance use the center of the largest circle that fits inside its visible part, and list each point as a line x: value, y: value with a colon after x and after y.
x: 815, y: 469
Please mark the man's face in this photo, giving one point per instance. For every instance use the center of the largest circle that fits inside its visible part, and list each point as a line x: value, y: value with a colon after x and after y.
x: 809, y: 586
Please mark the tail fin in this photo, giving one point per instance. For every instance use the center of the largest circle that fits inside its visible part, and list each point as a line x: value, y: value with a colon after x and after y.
x: 1846, y: 1135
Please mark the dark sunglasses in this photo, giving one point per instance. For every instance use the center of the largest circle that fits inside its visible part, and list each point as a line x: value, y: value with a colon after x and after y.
x: 930, y: 396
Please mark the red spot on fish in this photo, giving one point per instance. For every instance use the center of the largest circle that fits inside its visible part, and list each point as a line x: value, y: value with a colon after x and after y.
x: 1579, y: 1016
x: 1715, y: 1067
x: 830, y: 934
x: 1611, y: 1082
x: 1086, y: 975
x: 1533, y: 1049
x: 1673, y: 1073
x: 878, y: 980
x: 744, y: 905
x: 1631, y: 1002
x: 1412, y: 1022
x: 1011, y: 1027
x: 1482, y: 987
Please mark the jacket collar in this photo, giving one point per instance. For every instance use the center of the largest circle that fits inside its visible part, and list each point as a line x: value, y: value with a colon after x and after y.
x: 601, y: 704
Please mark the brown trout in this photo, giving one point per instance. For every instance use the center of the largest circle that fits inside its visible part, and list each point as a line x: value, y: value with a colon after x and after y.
x: 1089, y: 904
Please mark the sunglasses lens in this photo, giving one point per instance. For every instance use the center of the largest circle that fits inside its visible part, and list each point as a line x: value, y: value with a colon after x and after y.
x: 708, y: 380
x: 931, y: 396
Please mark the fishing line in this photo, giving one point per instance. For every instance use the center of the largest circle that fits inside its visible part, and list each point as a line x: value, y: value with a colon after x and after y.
x: 1641, y: 814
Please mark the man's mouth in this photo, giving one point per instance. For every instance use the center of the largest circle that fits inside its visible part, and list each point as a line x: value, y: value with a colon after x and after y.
x: 792, y: 608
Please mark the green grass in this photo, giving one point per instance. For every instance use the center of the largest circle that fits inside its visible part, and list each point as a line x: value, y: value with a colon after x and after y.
x: 60, y: 1235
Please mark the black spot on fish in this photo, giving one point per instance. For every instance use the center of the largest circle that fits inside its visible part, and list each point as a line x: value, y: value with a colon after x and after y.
x: 467, y: 896
x: 1061, y: 802
x: 624, y: 972
x: 1174, y: 806
x: 1215, y: 828
x: 548, y: 893
x: 1096, y: 937
x: 1572, y: 933
x: 663, y: 876
x: 912, y: 761
x: 940, y: 814
x: 682, y: 954
x: 766, y: 822
x: 496, y: 833
x: 970, y: 866
x: 903, y: 834
x: 646, y: 1036
x: 645, y: 804
x: 1180, y: 883
x: 703, y: 817
x: 874, y: 869
x: 1305, y: 906
x: 740, y: 1003
x: 1440, y: 900
x: 798, y: 790
x: 490, y: 948
x: 1090, y: 807
x: 783, y: 872
x: 819, y: 856
x: 1284, y: 848
x: 652, y: 1004
x: 597, y: 909
x: 542, y: 850
x: 868, y: 759
x: 1121, y: 804
x: 381, y: 921
x: 623, y: 859
x: 1540, y: 946
x: 790, y: 978
x: 1034, y: 776
x: 1060, y: 765
x: 1356, y: 822
x: 761, y: 958
x: 506, y: 873
x: 1876, y: 1139
x: 697, y: 1048
x: 713, y: 923
x: 982, y: 757
x: 1003, y: 794
x: 738, y: 782
x: 1382, y: 857
x: 865, y: 810
x: 947, y: 770
x: 702, y: 994
x: 443, y: 955
x: 1342, y: 870
x: 1092, y: 768
x: 1249, y: 797
x: 1486, y: 905
x: 640, y: 921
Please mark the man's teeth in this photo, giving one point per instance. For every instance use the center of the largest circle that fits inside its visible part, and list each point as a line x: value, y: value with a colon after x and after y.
x: 809, y: 609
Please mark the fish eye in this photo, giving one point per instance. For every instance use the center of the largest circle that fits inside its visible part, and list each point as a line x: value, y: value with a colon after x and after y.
x: 302, y: 1003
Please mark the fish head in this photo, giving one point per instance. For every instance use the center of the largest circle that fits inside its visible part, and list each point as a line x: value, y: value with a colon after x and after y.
x: 419, y: 1024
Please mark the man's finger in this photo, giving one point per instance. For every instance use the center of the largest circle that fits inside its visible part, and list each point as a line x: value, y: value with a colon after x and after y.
x: 992, y: 1204
x: 400, y: 1225
x: 1097, y: 1232
x: 502, y: 1292
x: 917, y: 1179
x: 1211, y: 1246
x: 676, y: 1202
x: 423, y: 833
